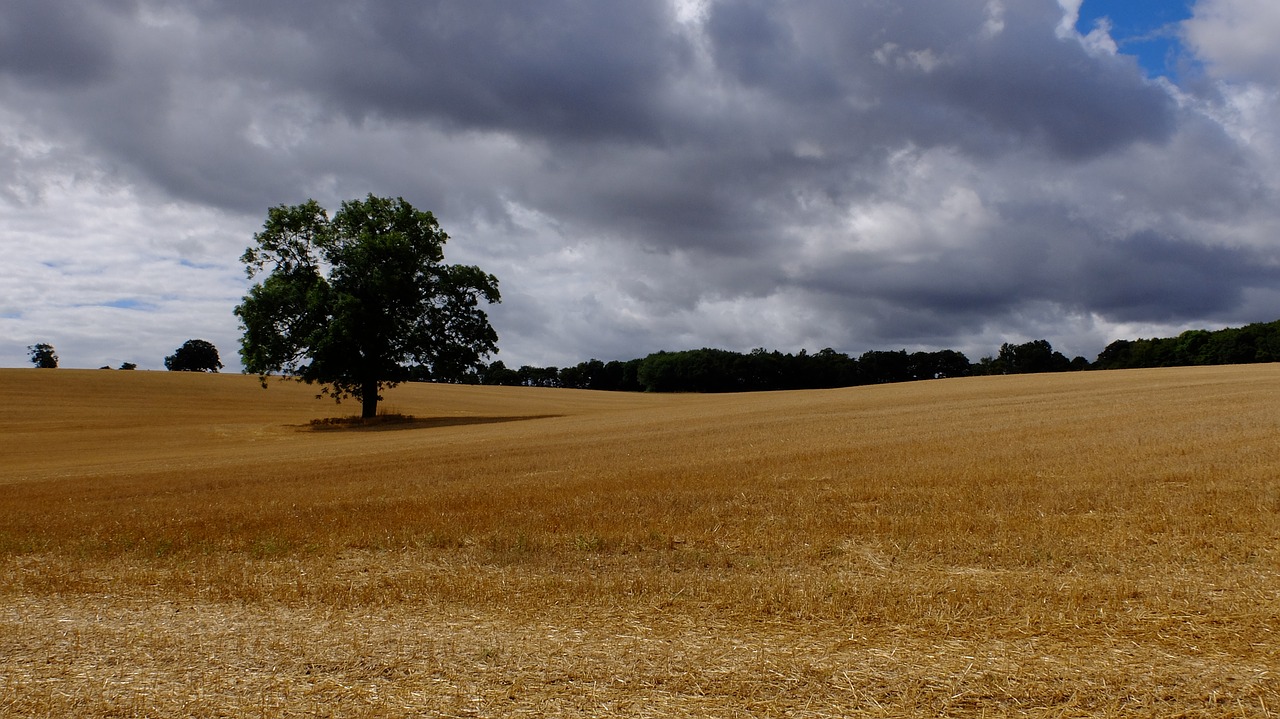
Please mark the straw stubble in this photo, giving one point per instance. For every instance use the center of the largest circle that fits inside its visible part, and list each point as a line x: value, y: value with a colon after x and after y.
x: 1054, y: 545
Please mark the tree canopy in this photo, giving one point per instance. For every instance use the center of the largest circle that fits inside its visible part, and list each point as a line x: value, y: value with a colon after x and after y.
x: 193, y: 356
x: 1257, y: 342
x: 43, y: 356
x: 362, y: 301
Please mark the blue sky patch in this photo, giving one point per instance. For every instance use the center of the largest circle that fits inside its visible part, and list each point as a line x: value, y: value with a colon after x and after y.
x: 129, y: 303
x: 1146, y: 29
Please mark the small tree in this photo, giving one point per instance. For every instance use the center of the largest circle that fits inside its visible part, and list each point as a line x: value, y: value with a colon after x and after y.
x: 43, y: 356
x: 362, y: 301
x: 194, y: 356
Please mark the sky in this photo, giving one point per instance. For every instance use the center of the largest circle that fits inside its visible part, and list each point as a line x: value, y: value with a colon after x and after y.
x: 658, y: 174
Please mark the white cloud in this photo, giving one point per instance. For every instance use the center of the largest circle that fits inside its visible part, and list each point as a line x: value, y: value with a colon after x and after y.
x: 1237, y: 38
x: 925, y: 60
x: 109, y: 275
x: 1098, y: 41
x: 993, y: 25
x: 1070, y: 16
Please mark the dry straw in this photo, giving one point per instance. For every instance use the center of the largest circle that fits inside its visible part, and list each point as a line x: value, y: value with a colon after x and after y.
x: 1099, y: 544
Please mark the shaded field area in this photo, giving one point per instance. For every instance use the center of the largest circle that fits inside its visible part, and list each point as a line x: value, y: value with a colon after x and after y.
x: 1087, y: 544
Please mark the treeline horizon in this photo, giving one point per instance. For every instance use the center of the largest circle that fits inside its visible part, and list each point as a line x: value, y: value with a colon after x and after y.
x: 716, y: 370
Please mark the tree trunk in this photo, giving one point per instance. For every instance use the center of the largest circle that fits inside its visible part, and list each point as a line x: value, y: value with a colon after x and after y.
x: 369, y: 399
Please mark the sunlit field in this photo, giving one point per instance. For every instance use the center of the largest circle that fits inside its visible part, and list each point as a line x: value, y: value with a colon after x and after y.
x: 1093, y: 544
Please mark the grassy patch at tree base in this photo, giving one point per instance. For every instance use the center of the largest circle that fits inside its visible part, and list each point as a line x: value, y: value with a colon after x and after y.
x: 391, y: 418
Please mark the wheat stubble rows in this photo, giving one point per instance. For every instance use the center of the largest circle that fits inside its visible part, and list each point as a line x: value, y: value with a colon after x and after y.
x: 1069, y: 545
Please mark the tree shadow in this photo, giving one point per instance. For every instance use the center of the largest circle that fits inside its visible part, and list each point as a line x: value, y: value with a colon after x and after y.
x: 399, y: 422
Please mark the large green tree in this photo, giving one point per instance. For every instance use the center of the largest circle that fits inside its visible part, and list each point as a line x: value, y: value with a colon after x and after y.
x: 362, y: 301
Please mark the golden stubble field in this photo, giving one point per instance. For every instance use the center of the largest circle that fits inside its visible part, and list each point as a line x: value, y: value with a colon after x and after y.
x: 1100, y: 544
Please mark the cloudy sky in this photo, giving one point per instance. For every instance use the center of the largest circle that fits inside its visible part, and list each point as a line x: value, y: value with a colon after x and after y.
x: 654, y: 174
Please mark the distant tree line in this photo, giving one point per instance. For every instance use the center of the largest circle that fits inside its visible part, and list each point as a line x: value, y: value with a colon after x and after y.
x: 1258, y: 342
x: 716, y: 370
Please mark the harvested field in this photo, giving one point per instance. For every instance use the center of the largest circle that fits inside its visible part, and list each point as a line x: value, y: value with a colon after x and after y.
x: 1095, y: 544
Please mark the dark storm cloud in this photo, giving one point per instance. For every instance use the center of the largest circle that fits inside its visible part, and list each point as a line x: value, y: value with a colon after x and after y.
x: 784, y: 171
x: 1030, y: 85
x: 191, y: 81
x: 809, y: 99
x: 948, y: 296
x: 1143, y: 278
x: 595, y: 81
x: 1148, y: 277
x: 976, y: 75
x: 560, y: 69
x: 53, y: 43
